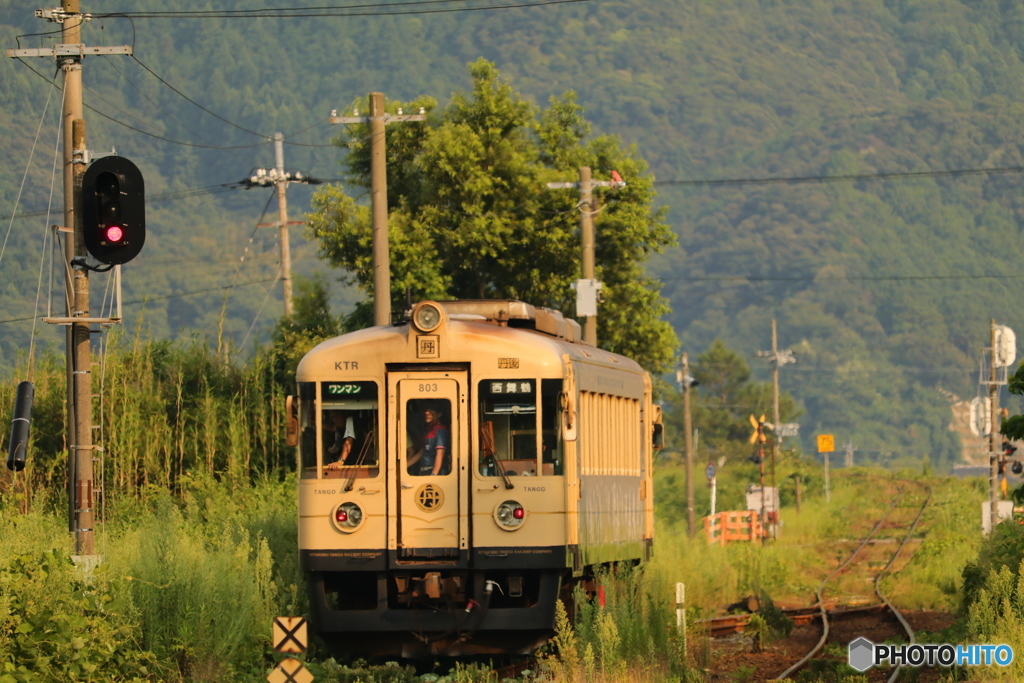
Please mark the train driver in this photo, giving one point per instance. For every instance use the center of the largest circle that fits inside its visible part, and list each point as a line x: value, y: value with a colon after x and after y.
x: 432, y: 458
x: 341, y: 435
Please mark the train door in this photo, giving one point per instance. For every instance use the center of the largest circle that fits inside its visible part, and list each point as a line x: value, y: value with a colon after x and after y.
x: 431, y: 436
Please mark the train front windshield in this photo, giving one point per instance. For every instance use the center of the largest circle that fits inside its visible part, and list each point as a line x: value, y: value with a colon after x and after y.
x: 339, y: 435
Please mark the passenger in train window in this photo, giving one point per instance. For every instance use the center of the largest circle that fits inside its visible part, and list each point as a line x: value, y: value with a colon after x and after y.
x: 340, y: 435
x: 432, y: 458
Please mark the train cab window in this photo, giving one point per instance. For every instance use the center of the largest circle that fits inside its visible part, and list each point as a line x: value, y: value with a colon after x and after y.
x: 307, y: 430
x: 348, y: 430
x: 508, y: 427
x: 551, y: 452
x: 430, y: 437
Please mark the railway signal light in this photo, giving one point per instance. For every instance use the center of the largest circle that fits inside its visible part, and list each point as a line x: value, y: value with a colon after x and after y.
x: 114, y: 210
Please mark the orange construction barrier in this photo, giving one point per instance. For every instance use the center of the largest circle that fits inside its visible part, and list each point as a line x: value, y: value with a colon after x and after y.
x: 729, y: 526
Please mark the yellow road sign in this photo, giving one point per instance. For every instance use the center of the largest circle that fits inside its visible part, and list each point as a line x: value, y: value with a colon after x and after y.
x: 826, y: 443
x: 290, y: 671
x: 290, y: 635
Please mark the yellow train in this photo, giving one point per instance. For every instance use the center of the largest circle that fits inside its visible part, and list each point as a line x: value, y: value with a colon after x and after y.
x: 462, y: 471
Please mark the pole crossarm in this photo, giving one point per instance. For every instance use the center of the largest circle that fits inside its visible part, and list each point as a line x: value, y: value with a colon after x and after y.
x: 388, y: 118
x: 593, y: 183
x: 69, y: 50
x: 780, y: 357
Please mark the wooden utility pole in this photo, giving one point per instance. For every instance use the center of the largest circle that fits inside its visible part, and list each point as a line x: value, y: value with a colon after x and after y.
x: 587, y: 238
x: 776, y: 429
x: 588, y: 287
x: 378, y: 120
x: 280, y: 179
x: 775, y: 378
x: 71, y: 113
x: 993, y: 441
x: 81, y: 450
x: 687, y: 381
x: 379, y: 203
x: 79, y: 356
x: 282, y: 220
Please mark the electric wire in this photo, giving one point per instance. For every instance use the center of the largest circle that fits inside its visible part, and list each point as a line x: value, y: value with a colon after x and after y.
x: 147, y: 133
x: 851, y: 177
x: 17, y: 39
x: 257, y: 13
x: 238, y: 267
x: 266, y: 297
x: 28, y: 166
x: 43, y: 252
x: 127, y: 80
x: 844, y: 278
x: 167, y: 196
x: 284, y: 13
x: 191, y: 101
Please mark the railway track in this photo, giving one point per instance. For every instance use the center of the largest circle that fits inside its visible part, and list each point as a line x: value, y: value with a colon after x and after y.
x: 885, y: 604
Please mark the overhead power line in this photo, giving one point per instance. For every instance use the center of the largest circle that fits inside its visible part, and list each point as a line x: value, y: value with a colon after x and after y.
x: 169, y: 296
x: 852, y: 177
x: 191, y: 101
x: 166, y: 196
x: 843, y: 278
x: 144, y: 132
x: 374, y: 10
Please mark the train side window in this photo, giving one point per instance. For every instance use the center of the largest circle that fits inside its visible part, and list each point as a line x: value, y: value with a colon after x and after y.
x: 551, y: 449
x: 349, y: 424
x: 508, y: 427
x: 307, y: 430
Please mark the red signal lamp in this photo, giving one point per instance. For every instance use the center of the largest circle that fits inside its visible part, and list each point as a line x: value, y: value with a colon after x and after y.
x: 115, y: 233
x: 518, y: 513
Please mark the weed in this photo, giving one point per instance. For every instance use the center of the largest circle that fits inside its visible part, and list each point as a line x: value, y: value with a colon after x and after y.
x: 744, y: 674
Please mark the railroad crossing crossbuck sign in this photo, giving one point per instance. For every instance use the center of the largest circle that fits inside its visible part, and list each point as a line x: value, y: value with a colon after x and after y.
x: 290, y: 671
x: 290, y: 636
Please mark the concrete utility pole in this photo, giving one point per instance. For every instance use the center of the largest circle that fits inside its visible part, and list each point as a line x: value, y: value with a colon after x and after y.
x: 282, y: 219
x: 686, y: 381
x: 993, y: 437
x: 776, y: 358
x: 378, y: 119
x: 848, y: 447
x: 69, y: 55
x: 588, y: 287
x: 280, y: 179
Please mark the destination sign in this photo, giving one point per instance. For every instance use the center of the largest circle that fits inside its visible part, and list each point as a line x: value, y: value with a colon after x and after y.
x: 329, y: 390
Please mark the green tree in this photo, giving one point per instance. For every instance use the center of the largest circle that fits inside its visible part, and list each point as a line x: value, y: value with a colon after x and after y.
x: 470, y: 216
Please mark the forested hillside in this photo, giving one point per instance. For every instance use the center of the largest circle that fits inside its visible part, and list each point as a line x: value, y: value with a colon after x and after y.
x: 883, y: 287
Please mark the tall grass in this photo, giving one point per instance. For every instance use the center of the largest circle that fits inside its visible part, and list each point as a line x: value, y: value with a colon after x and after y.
x: 166, y: 411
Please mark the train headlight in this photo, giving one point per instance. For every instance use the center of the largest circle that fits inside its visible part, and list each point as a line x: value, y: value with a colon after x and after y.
x: 347, y: 517
x: 510, y: 515
x: 427, y: 316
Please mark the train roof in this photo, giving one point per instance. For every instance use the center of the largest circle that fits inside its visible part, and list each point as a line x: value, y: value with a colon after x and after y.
x: 498, y: 327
